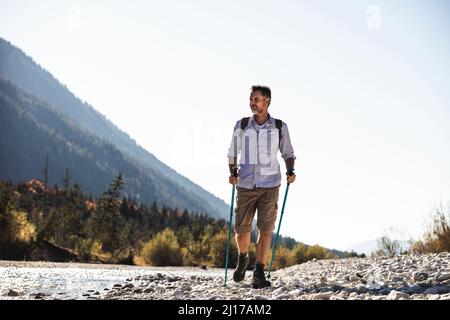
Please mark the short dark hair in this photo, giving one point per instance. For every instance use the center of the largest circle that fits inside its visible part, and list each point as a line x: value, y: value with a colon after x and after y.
x: 265, y: 91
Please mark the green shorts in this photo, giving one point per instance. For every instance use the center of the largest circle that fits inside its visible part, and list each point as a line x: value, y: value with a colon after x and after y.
x: 265, y: 200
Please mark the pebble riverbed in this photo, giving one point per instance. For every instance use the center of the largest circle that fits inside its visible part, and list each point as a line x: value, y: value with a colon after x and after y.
x: 405, y: 277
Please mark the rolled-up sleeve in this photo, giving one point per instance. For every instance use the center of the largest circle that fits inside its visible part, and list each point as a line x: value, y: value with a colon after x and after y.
x: 286, y: 149
x: 235, y: 145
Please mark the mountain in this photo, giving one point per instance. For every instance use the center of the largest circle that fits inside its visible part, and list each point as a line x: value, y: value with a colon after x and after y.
x: 30, y: 129
x: 366, y: 247
x: 370, y: 246
x: 35, y: 98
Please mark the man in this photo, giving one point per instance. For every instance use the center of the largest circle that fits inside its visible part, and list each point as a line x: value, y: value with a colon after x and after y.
x: 258, y: 140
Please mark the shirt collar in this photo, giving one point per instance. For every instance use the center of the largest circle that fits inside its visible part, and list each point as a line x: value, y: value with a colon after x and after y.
x: 270, y: 121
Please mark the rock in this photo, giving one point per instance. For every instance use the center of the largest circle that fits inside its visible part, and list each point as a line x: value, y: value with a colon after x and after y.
x: 159, y: 275
x: 392, y: 268
x: 432, y: 290
x: 117, y: 285
x: 12, y: 293
x: 178, y: 292
x: 186, y: 287
x: 375, y: 285
x: 295, y: 292
x: 361, y: 288
x: 414, y: 289
x: 420, y: 276
x: 439, y: 289
x: 337, y: 287
x: 322, y: 296
x: 425, y: 284
x: 149, y: 290
x: 434, y: 297
x: 385, y: 291
x: 443, y: 277
x: 282, y: 297
x: 354, y: 278
x: 96, y: 293
x: 128, y: 286
x: 173, y: 279
x: 40, y: 295
x: 396, y: 295
x: 160, y: 288
x: 357, y: 297
x: 258, y: 297
x: 279, y: 291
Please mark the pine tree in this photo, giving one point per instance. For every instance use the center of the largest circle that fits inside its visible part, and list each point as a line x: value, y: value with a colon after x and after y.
x: 107, y: 225
x: 45, y: 171
x: 66, y: 180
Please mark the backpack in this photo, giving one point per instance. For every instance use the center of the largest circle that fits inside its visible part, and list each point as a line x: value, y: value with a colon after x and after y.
x: 278, y: 125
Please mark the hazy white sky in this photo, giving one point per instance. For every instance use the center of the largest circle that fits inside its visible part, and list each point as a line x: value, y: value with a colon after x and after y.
x: 362, y: 85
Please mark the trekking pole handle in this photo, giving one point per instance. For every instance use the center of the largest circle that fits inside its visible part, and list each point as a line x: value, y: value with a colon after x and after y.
x: 290, y: 172
x: 235, y: 171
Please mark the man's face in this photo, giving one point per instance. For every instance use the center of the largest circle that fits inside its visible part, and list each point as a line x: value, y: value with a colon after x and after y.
x: 258, y: 103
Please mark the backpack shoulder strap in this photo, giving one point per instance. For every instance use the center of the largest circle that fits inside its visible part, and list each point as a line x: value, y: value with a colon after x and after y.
x: 244, y: 123
x: 279, y: 124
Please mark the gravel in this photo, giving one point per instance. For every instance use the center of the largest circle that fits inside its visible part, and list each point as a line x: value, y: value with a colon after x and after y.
x: 404, y: 277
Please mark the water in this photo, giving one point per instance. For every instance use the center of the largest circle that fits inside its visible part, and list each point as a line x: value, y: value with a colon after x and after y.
x: 71, y: 280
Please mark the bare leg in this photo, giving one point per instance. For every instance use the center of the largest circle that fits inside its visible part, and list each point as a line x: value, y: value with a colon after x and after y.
x: 263, y: 246
x: 243, y: 242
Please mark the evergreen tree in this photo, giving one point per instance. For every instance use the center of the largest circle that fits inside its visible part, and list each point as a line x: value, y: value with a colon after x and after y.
x: 66, y: 180
x: 107, y: 225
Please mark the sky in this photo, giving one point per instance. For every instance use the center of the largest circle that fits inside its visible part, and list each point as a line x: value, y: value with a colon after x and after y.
x: 362, y: 85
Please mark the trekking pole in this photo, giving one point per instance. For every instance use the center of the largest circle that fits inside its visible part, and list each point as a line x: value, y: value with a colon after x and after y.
x: 278, y: 231
x: 229, y: 228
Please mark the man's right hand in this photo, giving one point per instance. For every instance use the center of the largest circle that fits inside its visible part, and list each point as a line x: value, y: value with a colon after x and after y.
x: 233, y: 180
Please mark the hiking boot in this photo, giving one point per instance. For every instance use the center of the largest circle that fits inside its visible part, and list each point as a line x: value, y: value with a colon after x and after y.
x: 239, y: 272
x: 259, y: 278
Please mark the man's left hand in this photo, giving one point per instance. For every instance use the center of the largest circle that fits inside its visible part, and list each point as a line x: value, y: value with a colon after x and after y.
x: 290, y: 178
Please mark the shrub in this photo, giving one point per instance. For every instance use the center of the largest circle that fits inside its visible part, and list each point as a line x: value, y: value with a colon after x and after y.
x: 299, y: 254
x: 218, y: 250
x: 163, y: 250
x: 283, y: 258
x: 21, y: 230
x: 318, y: 253
x: 17, y: 228
x: 437, y: 237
